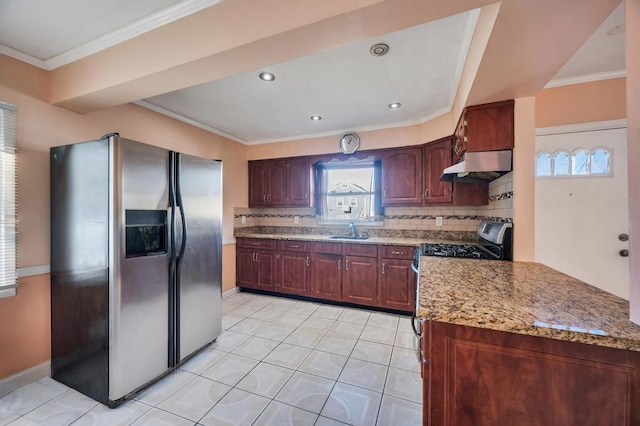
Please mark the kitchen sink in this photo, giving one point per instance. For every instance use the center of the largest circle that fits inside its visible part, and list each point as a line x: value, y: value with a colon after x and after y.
x: 349, y: 237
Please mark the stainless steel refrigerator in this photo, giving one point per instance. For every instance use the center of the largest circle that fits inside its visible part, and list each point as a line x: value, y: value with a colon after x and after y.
x: 135, y: 263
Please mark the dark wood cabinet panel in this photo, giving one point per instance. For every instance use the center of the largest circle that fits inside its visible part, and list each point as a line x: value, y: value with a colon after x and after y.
x: 402, y: 177
x: 258, y: 183
x: 290, y: 245
x: 280, y: 183
x: 277, y: 194
x: 326, y: 276
x: 397, y: 286
x: 397, y: 252
x: 437, y: 157
x: 294, y: 273
x: 360, y: 280
x: 486, y: 127
x: 485, y: 377
x: 246, y: 271
x: 256, y: 263
x: 327, y: 248
x: 364, y: 250
x: 298, y: 181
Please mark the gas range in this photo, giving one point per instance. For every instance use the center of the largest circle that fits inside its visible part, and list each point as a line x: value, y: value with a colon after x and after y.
x: 494, y: 242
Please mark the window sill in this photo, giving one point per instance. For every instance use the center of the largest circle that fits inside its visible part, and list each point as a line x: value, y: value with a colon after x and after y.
x: 7, y: 293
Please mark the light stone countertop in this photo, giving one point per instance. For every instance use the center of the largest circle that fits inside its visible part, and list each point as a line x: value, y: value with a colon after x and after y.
x: 524, y: 298
x: 392, y: 241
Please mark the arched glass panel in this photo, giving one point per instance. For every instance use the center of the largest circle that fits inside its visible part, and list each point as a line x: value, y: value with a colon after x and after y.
x: 561, y: 164
x: 600, y: 162
x: 543, y: 164
x: 580, y: 162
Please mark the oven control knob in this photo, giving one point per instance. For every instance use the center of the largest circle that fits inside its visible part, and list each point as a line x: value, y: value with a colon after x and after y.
x: 624, y: 253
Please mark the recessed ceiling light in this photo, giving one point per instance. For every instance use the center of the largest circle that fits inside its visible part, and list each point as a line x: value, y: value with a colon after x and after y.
x: 266, y: 76
x: 379, y: 49
x: 316, y: 118
x: 395, y: 105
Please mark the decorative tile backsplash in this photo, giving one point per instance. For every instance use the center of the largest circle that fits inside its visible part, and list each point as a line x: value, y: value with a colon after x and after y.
x: 416, y: 220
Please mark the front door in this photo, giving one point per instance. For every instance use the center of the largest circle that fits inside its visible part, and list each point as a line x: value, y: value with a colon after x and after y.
x: 579, y: 218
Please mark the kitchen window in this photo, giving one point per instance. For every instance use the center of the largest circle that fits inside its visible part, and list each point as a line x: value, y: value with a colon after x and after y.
x: 8, y: 181
x: 348, y: 191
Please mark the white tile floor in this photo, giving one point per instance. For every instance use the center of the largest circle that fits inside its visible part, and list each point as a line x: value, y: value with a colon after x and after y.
x: 277, y: 362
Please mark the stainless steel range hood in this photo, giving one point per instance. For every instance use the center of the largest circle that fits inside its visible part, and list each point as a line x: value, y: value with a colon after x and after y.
x: 482, y: 166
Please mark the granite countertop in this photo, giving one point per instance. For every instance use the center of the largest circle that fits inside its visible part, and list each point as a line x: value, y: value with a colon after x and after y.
x: 392, y: 241
x: 525, y: 298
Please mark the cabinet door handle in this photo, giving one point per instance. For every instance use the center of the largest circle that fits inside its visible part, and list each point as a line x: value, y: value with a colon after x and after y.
x: 339, y: 265
x: 396, y: 252
x: 253, y: 256
x: 257, y: 257
x: 383, y: 268
x: 306, y: 196
x: 426, y: 193
x: 294, y: 246
x: 307, y: 260
x: 264, y: 198
x: 268, y: 198
x: 346, y: 264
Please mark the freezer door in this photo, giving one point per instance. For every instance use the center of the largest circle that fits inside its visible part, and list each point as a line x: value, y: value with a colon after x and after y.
x: 139, y: 287
x: 200, y: 280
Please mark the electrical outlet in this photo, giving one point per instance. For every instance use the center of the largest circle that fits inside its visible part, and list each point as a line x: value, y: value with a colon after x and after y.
x: 438, y: 220
x: 296, y: 220
x: 243, y: 219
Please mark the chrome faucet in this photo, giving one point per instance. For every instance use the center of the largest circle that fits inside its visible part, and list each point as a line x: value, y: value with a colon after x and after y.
x: 352, y: 230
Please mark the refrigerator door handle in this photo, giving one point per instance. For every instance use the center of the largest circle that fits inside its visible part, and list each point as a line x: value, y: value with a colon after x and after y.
x: 180, y: 257
x: 173, y: 359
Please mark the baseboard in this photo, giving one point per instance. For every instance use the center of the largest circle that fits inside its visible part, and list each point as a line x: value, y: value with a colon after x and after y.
x: 11, y: 383
x: 230, y: 292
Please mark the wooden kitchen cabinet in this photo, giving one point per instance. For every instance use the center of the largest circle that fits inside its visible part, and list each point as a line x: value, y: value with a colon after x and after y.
x: 396, y: 280
x: 299, y: 182
x: 293, y: 268
x: 486, y: 127
x: 402, y: 177
x: 481, y: 377
x: 256, y: 263
x: 280, y: 183
x: 326, y: 271
x: 360, y: 277
x: 437, y: 157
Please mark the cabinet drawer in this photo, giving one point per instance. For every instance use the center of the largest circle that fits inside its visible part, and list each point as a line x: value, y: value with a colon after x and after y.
x: 397, y: 252
x: 327, y: 248
x: 286, y: 245
x: 366, y: 250
x: 256, y: 243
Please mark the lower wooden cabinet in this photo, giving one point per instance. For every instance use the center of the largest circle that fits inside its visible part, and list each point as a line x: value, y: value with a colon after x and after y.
x: 397, y: 287
x: 396, y: 280
x: 256, y: 268
x: 476, y: 376
x: 341, y: 272
x: 294, y: 273
x: 360, y: 280
x: 326, y: 276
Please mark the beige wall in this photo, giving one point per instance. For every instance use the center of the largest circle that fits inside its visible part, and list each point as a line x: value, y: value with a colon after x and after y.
x: 581, y: 103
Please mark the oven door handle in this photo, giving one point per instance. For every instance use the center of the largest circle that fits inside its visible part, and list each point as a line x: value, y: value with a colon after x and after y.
x: 414, y: 266
x: 415, y: 327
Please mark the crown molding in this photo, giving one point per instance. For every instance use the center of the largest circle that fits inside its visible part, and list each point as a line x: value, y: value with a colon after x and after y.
x: 607, y: 75
x: 134, y: 29
x: 21, y: 56
x: 187, y: 120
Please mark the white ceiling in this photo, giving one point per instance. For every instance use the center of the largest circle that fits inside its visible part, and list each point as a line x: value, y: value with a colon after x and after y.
x: 601, y: 57
x: 347, y: 86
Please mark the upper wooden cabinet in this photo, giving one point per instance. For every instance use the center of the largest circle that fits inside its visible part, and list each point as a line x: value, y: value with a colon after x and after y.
x: 280, y: 183
x: 402, y: 177
x: 437, y: 157
x: 486, y: 127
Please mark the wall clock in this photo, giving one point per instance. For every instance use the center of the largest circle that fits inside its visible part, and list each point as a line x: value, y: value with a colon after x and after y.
x: 349, y: 143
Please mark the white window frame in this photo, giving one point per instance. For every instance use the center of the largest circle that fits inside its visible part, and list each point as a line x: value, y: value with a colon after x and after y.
x: 8, y: 200
x: 571, y: 153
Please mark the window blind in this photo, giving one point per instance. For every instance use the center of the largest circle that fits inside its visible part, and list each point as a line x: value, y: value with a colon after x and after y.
x: 8, y: 206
